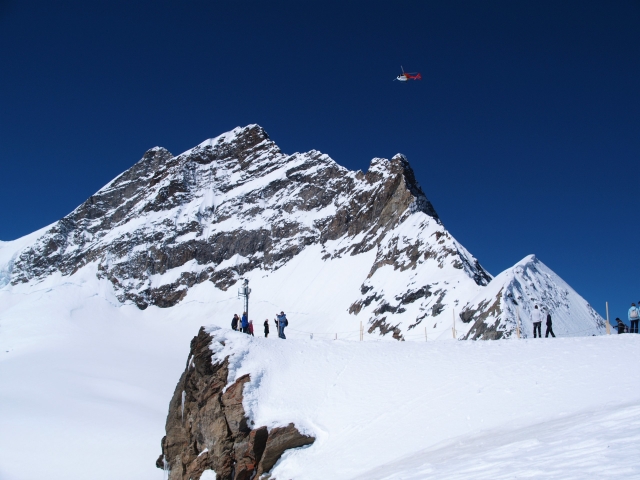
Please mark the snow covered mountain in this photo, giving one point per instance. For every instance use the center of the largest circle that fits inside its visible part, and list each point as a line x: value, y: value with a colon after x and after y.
x: 332, y: 246
x: 97, y: 311
x: 508, y: 300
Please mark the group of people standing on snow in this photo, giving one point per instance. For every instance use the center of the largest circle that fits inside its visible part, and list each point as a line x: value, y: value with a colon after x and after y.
x: 245, y: 325
x: 633, y: 316
x: 538, y: 316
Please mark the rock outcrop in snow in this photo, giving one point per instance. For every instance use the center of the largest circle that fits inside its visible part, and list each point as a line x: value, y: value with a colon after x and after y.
x: 508, y: 300
x: 207, y: 428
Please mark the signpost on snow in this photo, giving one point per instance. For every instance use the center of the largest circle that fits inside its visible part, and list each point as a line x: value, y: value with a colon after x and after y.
x: 244, y: 291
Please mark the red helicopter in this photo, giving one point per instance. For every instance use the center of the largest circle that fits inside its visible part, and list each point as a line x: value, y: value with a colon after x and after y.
x: 408, y: 76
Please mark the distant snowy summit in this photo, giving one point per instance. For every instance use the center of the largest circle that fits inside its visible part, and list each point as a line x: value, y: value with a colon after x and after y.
x: 506, y: 304
x: 236, y: 206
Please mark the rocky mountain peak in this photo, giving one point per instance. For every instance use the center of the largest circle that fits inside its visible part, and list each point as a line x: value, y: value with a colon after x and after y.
x: 236, y: 204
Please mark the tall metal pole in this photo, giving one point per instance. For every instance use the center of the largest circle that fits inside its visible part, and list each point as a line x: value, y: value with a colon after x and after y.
x: 246, y: 297
x: 518, y: 322
x: 245, y: 293
x: 608, y: 325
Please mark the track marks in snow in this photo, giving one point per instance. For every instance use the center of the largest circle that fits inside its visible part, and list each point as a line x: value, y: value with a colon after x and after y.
x: 594, y: 444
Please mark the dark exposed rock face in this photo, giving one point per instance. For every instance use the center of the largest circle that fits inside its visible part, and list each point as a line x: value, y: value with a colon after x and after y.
x: 207, y: 429
x: 482, y: 328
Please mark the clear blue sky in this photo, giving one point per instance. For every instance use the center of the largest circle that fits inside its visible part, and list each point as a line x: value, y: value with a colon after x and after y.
x: 524, y: 132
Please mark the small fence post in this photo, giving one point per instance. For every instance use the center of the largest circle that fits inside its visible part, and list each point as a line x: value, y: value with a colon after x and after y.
x: 361, y: 331
x: 425, y: 334
x: 453, y: 326
x: 608, y: 325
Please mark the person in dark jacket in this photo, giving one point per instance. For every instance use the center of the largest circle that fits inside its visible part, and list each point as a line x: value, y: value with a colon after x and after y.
x: 266, y: 328
x: 234, y: 322
x: 549, y: 327
x: 622, y: 328
x: 245, y: 323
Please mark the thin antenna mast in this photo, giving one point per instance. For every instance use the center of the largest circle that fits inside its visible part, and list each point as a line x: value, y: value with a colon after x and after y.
x: 244, y: 292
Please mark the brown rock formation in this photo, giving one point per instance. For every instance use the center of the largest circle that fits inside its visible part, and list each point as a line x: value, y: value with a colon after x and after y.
x: 281, y: 439
x: 207, y: 428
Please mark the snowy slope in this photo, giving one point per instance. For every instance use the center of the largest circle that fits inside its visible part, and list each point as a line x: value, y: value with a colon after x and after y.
x: 379, y: 410
x: 512, y: 295
x: 9, y: 252
x: 90, y: 379
x: 593, y: 444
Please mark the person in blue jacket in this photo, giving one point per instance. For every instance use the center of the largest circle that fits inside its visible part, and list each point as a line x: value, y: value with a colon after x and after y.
x: 634, y: 316
x: 282, y: 322
x: 245, y: 323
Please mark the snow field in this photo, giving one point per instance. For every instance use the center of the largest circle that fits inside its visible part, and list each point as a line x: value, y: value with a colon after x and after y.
x: 85, y: 384
x: 447, y: 409
x: 600, y: 444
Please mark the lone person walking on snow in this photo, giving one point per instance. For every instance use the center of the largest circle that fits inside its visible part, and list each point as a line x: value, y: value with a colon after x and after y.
x: 634, y: 316
x: 536, y: 316
x: 282, y: 322
x: 549, y: 327
x: 266, y: 328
